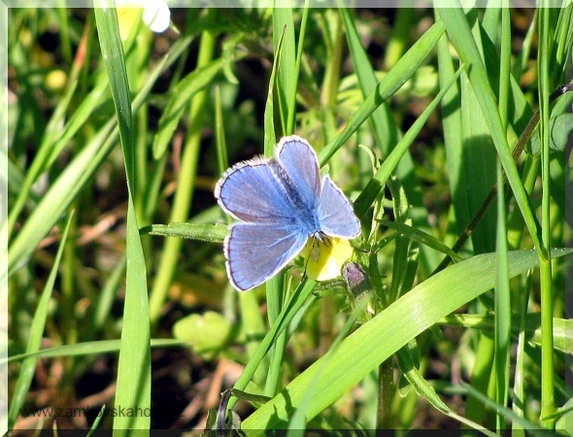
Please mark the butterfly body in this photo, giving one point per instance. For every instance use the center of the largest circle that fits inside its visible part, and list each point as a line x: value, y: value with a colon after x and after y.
x: 280, y: 203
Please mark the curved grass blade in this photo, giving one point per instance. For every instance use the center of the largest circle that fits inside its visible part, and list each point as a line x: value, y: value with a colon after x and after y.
x: 363, y: 351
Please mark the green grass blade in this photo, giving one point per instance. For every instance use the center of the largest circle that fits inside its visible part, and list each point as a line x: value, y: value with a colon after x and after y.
x: 392, y: 81
x: 134, y: 368
x: 274, y: 287
x: 373, y: 188
x: 36, y: 332
x: 507, y: 413
x: 88, y: 348
x: 387, y: 135
x: 363, y: 351
x: 76, y: 175
x: 421, y: 237
x: 502, y: 291
x: 463, y: 41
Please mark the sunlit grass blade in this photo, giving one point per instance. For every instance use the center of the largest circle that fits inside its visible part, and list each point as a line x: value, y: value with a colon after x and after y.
x: 134, y: 368
x: 362, y: 351
x: 462, y: 39
x: 392, y: 81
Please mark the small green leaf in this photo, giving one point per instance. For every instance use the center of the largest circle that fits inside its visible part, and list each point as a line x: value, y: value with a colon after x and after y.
x: 208, y: 333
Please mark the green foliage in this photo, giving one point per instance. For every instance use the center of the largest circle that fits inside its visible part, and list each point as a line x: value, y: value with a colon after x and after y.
x: 422, y: 116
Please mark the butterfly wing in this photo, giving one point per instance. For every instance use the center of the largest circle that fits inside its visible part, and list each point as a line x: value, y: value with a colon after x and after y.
x: 300, y: 162
x: 257, y: 252
x: 253, y: 192
x: 335, y: 213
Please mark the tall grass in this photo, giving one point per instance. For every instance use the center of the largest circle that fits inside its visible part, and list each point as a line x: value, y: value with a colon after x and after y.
x: 115, y: 147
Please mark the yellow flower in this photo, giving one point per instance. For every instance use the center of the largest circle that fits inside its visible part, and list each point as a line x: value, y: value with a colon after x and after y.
x: 324, y: 259
x: 155, y: 14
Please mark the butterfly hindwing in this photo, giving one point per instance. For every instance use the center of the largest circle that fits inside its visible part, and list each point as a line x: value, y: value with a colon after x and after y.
x: 257, y: 252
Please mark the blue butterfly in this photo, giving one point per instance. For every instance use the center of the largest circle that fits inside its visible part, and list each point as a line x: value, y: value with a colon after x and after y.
x: 281, y: 202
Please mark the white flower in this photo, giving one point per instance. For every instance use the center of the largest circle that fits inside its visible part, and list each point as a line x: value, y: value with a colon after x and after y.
x: 156, y: 15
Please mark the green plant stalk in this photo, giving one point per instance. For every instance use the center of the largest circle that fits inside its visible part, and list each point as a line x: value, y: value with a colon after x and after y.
x: 386, y: 390
x: 274, y: 287
x: 283, y: 29
x: 502, y: 310
x: 185, y: 187
x: 292, y: 98
x: 502, y: 302
x: 547, y: 366
x: 329, y: 92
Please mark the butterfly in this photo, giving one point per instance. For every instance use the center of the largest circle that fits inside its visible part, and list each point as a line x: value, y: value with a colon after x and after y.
x: 280, y: 203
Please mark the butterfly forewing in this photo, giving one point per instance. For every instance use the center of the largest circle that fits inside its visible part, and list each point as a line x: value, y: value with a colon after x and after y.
x: 300, y: 162
x: 251, y: 191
